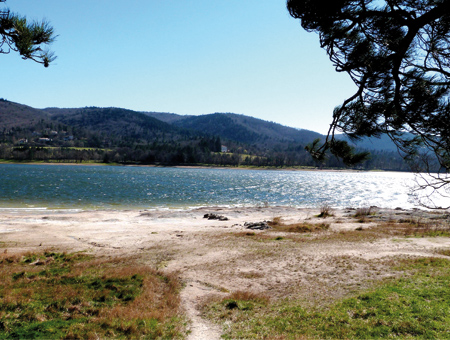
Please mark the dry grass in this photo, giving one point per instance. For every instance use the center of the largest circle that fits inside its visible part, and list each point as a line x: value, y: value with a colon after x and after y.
x: 61, y: 295
x: 244, y: 233
x: 363, y: 211
x: 320, y: 232
x: 391, y: 228
x: 445, y: 251
x: 362, y: 214
x: 415, y: 228
x: 302, y: 227
x: 325, y: 211
x: 251, y: 275
x: 242, y: 295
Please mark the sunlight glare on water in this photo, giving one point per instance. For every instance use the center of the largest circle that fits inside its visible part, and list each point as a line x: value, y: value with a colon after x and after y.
x: 116, y: 187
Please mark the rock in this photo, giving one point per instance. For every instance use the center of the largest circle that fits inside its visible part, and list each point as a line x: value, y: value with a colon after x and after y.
x: 215, y: 217
x: 256, y: 225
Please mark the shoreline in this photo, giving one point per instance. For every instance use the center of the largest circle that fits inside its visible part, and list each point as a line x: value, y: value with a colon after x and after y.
x: 67, y: 226
x: 70, y: 210
x: 313, y: 169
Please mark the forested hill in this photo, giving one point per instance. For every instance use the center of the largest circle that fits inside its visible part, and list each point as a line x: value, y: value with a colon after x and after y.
x: 116, y: 123
x: 123, y: 123
x: 238, y: 127
x: 246, y: 129
x: 13, y: 115
x: 124, y: 136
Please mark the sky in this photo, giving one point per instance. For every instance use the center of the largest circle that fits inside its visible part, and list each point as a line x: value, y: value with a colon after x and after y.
x: 189, y: 57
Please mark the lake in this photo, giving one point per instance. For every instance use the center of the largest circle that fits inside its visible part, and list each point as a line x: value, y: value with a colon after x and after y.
x: 36, y: 186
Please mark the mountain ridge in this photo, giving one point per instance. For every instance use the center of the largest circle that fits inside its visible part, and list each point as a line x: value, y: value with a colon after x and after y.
x: 229, y: 126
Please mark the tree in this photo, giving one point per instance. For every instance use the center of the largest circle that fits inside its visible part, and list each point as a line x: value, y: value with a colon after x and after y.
x: 29, y: 39
x: 397, y: 52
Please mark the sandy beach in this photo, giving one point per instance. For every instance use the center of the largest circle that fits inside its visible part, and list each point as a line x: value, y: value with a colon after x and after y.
x: 216, y: 256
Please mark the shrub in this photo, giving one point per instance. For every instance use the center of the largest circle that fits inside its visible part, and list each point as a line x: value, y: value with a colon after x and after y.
x: 325, y: 210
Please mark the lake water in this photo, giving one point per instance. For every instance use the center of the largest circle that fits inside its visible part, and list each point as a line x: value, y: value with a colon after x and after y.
x: 119, y: 187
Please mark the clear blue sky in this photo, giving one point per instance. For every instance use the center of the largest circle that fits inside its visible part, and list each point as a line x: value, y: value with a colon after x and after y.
x: 181, y: 56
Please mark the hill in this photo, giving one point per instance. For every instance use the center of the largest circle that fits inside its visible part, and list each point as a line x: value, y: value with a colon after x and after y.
x: 165, y: 116
x: 14, y: 115
x: 123, y: 123
x: 115, y: 123
x: 382, y: 143
x: 126, y: 136
x: 146, y: 126
x: 246, y: 129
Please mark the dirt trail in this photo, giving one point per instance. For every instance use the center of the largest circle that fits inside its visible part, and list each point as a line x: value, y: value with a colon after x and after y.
x: 200, y: 328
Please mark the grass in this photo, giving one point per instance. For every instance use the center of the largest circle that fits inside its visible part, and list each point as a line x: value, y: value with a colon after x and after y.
x: 445, y: 252
x: 363, y: 211
x: 53, y: 161
x: 416, y: 228
x: 392, y: 298
x: 402, y: 228
x: 413, y: 306
x: 61, y: 296
x: 303, y: 227
x: 54, y: 295
x: 384, y: 229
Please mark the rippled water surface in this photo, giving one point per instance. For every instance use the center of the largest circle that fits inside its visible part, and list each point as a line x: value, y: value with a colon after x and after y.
x: 115, y: 187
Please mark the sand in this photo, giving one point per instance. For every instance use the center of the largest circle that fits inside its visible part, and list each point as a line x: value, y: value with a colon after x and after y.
x: 214, y: 257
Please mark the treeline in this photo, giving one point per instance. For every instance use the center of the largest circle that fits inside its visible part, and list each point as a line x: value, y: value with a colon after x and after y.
x: 58, y: 142
x: 113, y: 135
x: 201, y: 151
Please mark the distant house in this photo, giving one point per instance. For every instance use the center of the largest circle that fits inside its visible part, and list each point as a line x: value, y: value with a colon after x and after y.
x: 223, y: 148
x: 23, y: 141
x: 44, y: 140
x: 67, y: 138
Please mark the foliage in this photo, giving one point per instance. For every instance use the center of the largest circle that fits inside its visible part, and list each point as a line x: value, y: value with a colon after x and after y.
x: 58, y: 295
x: 397, y: 53
x: 28, y: 39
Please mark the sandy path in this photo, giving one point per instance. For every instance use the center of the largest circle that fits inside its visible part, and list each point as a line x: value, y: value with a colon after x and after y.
x: 201, y: 329
x: 216, y: 257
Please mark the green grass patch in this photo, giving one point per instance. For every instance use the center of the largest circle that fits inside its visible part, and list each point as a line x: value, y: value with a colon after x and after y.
x: 415, y: 306
x: 57, y: 295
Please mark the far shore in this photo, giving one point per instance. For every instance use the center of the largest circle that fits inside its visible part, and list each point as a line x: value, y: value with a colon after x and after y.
x: 200, y: 166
